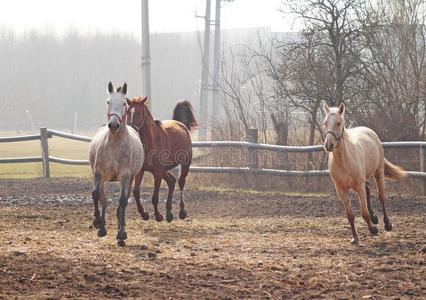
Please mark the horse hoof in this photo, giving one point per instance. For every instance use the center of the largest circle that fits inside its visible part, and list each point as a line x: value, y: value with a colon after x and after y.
x: 388, y: 226
x: 145, y: 216
x: 159, y: 217
x: 169, y: 216
x: 96, y: 223
x: 121, y: 243
x: 354, y: 241
x: 102, y: 232
x: 121, y: 236
x: 374, y: 219
x: 182, y: 214
x: 374, y: 230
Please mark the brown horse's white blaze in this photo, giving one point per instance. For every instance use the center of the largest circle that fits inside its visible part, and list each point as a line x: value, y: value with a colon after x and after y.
x: 355, y: 155
x: 167, y: 144
x: 115, y: 154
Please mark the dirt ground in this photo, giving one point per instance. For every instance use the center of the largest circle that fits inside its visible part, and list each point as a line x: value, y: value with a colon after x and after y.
x: 234, y: 244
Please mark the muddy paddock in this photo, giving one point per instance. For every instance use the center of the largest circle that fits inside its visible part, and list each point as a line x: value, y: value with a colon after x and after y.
x: 234, y: 244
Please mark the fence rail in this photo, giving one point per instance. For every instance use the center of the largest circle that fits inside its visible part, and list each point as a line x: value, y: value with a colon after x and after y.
x: 45, y: 158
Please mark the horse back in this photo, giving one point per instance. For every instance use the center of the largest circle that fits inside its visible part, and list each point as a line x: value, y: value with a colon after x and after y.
x: 178, y: 143
x: 365, y: 139
x: 366, y: 149
x: 177, y: 132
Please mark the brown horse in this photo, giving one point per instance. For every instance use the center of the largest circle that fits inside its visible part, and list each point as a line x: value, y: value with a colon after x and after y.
x: 167, y: 144
x: 355, y: 155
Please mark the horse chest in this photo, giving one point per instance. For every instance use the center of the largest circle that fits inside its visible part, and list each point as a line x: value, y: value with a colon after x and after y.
x: 344, y: 174
x: 114, y: 160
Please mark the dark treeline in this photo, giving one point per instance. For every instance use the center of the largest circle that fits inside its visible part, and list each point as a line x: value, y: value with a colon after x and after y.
x: 53, y: 77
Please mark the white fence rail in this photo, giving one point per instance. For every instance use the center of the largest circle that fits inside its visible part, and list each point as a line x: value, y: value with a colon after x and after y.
x: 45, y: 158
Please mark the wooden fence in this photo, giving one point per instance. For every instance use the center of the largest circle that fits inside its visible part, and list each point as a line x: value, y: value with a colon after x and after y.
x: 251, y: 147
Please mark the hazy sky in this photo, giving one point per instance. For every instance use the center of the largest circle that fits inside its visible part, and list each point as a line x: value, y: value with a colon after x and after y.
x: 59, y: 16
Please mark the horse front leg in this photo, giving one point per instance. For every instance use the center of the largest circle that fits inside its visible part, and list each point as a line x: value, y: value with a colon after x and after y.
x: 96, y: 195
x: 137, y: 195
x: 125, y: 183
x: 343, y: 194
x: 157, y: 183
x: 102, y: 230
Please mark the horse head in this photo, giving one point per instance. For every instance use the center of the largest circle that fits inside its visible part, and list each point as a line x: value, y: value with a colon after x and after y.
x: 137, y: 112
x: 117, y: 107
x: 334, y: 124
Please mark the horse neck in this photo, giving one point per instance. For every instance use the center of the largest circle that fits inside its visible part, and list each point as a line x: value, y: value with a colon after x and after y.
x: 149, y: 131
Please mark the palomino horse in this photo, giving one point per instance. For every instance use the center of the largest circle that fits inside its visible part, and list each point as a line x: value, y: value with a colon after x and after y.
x: 167, y: 144
x: 115, y: 154
x: 355, y: 155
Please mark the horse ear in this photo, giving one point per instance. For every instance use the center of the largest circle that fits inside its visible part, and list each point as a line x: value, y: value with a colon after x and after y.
x: 144, y: 100
x: 124, y: 89
x: 325, y: 107
x: 110, y: 87
x: 342, y: 108
x: 129, y: 102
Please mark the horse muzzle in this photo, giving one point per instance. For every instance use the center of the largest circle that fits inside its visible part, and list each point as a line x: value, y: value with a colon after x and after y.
x: 113, y: 125
x: 329, y: 146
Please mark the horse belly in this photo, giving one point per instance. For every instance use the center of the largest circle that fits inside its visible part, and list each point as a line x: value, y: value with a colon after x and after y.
x: 372, y: 159
x: 111, y: 170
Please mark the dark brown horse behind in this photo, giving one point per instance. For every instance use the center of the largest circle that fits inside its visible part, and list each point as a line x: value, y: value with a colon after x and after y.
x: 167, y: 144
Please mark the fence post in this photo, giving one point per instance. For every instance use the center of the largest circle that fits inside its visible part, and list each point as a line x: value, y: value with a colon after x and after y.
x: 252, y: 137
x: 44, y: 140
x: 422, y: 167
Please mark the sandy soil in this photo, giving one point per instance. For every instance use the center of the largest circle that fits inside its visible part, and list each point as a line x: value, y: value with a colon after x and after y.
x: 233, y: 245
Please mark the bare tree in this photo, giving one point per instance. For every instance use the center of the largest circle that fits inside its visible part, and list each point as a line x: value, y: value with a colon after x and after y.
x: 393, y: 82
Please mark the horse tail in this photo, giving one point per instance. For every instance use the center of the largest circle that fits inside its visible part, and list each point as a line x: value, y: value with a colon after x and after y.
x: 394, y: 172
x: 184, y: 113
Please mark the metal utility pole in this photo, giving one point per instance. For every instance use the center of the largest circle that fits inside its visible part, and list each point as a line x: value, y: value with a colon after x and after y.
x: 146, y: 55
x: 204, y: 92
x: 216, y: 64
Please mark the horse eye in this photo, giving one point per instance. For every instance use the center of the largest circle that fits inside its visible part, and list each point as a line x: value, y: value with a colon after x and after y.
x: 338, y: 124
x: 107, y: 101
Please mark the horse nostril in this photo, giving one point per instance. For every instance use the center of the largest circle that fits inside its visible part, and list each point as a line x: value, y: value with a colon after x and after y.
x: 113, y: 125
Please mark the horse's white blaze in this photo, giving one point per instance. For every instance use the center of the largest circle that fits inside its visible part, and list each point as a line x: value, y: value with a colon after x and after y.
x: 132, y: 113
x: 116, y: 107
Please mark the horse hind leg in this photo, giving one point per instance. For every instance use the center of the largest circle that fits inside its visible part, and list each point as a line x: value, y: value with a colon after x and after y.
x: 171, y: 181
x: 380, y: 181
x: 182, y: 180
x: 373, y: 215
x: 360, y: 189
x: 157, y: 183
x: 137, y: 195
